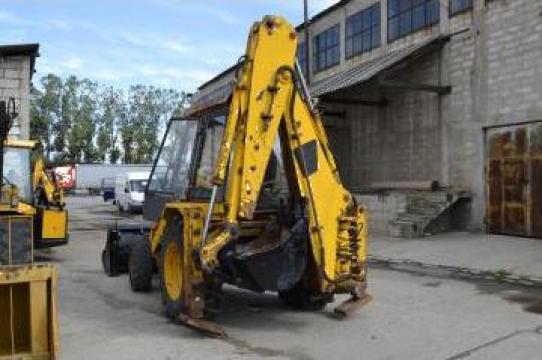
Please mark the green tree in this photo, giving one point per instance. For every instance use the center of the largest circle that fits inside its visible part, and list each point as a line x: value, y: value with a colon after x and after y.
x: 83, y: 120
x: 79, y: 120
x: 69, y: 105
x: 146, y: 111
x: 45, y: 112
x: 111, y: 101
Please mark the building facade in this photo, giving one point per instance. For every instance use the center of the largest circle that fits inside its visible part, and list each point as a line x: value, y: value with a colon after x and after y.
x: 433, y: 109
x: 16, y: 70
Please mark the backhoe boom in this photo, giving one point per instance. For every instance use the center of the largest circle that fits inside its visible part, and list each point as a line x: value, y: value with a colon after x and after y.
x: 266, y: 104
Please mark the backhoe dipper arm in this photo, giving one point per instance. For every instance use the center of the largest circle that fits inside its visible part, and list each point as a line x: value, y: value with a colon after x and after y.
x: 267, y: 103
x: 48, y: 190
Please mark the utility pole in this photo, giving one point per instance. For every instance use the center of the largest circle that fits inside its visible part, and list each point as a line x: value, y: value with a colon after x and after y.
x: 307, y: 42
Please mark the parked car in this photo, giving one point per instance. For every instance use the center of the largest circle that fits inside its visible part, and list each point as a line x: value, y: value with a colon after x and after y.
x: 88, y: 177
x: 130, y: 191
x: 108, y: 189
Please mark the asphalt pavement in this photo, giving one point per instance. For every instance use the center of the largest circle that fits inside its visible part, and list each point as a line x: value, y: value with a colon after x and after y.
x: 414, y: 315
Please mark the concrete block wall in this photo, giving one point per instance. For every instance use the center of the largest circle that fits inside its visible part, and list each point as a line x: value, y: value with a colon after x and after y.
x: 382, y: 209
x: 495, y: 70
x: 15, y: 82
x: 493, y: 62
x: 400, y: 142
x: 512, y: 37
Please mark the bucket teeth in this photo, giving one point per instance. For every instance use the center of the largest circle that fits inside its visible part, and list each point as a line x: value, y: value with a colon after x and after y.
x: 351, y: 305
x: 204, y: 326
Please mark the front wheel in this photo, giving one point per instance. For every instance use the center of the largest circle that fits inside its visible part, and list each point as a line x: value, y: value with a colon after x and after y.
x: 171, y: 268
x: 140, y: 264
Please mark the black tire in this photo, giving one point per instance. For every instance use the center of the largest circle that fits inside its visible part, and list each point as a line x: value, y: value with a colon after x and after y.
x: 140, y: 264
x: 172, y: 234
x: 106, y: 262
x: 302, y: 298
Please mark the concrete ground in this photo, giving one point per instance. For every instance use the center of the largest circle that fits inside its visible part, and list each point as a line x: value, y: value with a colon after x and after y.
x: 413, y: 315
x: 516, y: 255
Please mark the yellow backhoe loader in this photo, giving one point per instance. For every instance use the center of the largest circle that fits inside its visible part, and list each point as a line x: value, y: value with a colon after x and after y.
x: 28, y: 322
x: 251, y: 197
x: 38, y: 194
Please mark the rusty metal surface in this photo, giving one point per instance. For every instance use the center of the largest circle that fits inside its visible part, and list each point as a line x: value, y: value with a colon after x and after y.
x: 351, y: 305
x: 514, y: 180
x: 205, y: 327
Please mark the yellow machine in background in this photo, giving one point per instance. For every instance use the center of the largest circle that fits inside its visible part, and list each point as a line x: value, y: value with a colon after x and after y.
x: 28, y: 321
x: 218, y: 214
x: 38, y: 195
x: 51, y: 213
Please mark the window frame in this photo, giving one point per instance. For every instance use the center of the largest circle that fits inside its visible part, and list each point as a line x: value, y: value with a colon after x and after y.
x: 301, y: 55
x: 351, y: 34
x: 316, y: 51
x: 461, y: 10
x: 408, y: 14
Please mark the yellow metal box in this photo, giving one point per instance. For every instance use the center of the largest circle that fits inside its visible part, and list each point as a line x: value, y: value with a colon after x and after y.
x: 28, y: 321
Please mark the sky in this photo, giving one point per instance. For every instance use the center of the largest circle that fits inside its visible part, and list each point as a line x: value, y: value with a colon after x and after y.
x: 170, y: 43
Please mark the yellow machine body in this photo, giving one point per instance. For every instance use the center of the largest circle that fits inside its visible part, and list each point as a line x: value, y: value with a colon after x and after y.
x: 43, y: 199
x: 28, y: 320
x: 316, y: 251
x: 54, y: 224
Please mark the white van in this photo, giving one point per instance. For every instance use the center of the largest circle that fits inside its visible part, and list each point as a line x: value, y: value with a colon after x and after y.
x: 130, y: 191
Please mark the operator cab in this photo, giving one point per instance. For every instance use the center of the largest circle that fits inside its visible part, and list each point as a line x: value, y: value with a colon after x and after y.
x: 17, y: 167
x: 184, y: 165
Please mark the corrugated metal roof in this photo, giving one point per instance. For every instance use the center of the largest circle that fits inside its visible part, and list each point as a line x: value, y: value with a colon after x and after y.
x: 222, y: 86
x: 213, y: 94
x: 367, y: 70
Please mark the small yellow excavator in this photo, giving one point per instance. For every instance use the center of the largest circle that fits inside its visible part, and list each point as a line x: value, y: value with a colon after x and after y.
x: 37, y: 191
x: 28, y: 322
x: 270, y: 215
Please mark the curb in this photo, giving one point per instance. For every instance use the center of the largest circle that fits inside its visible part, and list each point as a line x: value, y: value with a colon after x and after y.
x: 455, y: 271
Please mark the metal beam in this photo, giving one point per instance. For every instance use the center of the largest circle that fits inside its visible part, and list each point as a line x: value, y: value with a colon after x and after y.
x: 340, y: 114
x: 380, y: 103
x: 406, y: 85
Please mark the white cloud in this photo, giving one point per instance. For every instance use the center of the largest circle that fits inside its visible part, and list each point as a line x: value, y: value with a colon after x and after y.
x: 224, y: 16
x: 73, y: 63
x: 8, y: 18
x: 322, y: 4
x: 59, y: 24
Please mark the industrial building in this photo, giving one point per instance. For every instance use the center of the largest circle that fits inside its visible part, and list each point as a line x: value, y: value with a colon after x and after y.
x: 16, y: 70
x: 433, y: 109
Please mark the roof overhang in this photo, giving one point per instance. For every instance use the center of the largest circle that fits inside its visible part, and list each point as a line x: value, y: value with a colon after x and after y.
x: 217, y: 91
x: 368, y: 70
x: 30, y: 50
x: 213, y: 94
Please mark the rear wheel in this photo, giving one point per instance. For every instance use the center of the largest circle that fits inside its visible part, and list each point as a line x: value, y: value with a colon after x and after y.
x: 140, y: 264
x: 171, y: 268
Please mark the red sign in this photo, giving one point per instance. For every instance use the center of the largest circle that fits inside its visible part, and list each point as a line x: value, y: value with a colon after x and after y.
x: 65, y: 177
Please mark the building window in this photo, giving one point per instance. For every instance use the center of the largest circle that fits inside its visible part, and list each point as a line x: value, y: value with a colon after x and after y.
x: 302, y: 58
x: 363, y: 31
x: 327, y: 48
x: 459, y: 6
x: 407, y: 16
